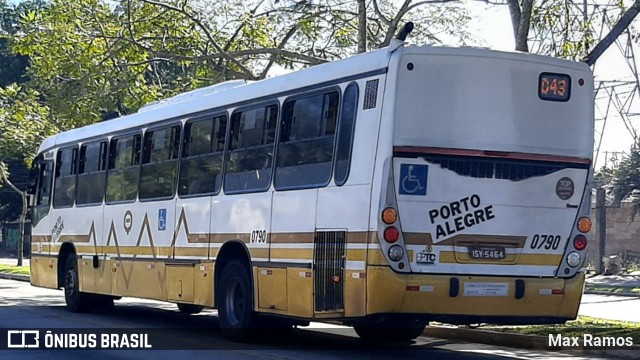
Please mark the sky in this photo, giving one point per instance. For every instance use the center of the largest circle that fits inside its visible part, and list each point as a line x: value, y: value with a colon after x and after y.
x: 492, y: 24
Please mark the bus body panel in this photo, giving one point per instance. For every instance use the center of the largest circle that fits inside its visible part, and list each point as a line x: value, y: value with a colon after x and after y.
x: 192, y: 228
x: 243, y: 218
x: 138, y: 237
x: 525, y: 219
x: 480, y: 298
x: 427, y: 118
x: 487, y: 182
x: 463, y: 99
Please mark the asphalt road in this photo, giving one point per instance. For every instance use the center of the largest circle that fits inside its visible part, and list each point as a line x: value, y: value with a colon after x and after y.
x: 26, y: 307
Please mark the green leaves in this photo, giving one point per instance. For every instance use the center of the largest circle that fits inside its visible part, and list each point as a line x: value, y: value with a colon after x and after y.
x: 24, y: 122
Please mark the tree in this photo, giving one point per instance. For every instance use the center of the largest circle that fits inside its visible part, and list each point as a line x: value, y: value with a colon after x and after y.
x: 25, y: 123
x: 90, y: 58
x: 13, y: 108
x: 624, y: 177
x: 567, y: 28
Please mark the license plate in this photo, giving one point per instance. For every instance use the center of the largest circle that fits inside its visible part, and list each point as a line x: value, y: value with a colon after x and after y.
x: 487, y: 252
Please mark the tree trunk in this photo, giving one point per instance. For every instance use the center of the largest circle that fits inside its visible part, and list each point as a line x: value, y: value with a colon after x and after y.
x: 523, y: 27
x: 514, y: 11
x: 362, y: 26
x: 520, y: 22
x: 23, y: 214
x: 23, y: 219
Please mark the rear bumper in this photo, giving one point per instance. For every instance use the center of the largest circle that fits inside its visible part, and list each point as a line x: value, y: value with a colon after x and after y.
x: 474, y: 299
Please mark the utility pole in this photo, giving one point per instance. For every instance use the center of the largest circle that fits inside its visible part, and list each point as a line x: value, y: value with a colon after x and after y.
x: 601, y: 225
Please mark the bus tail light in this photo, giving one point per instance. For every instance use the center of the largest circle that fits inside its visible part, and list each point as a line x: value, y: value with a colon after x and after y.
x: 391, y: 234
x: 580, y: 242
x: 584, y: 224
x: 389, y: 215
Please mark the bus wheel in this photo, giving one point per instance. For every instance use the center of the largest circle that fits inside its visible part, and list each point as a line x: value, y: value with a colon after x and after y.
x: 235, y: 305
x: 190, y: 308
x: 76, y: 301
x: 390, y: 331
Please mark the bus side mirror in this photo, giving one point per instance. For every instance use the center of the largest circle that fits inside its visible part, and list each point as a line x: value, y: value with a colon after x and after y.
x: 33, y: 180
x: 28, y: 214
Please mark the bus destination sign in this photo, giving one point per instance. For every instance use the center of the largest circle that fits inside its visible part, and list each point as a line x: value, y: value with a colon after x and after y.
x: 554, y: 87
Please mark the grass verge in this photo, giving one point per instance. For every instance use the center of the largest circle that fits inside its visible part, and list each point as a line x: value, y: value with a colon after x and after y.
x: 582, y: 325
x: 10, y: 269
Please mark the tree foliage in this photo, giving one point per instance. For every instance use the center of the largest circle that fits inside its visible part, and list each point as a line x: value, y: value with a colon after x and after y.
x: 95, y: 57
x: 624, y: 177
x: 25, y: 122
x: 13, y: 66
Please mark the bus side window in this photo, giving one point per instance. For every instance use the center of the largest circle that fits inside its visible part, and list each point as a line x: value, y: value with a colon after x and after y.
x: 305, y: 149
x: 122, y: 173
x: 202, y: 156
x: 91, y: 173
x: 64, y: 191
x: 248, y: 162
x: 346, y: 130
x: 159, y: 163
x: 42, y: 200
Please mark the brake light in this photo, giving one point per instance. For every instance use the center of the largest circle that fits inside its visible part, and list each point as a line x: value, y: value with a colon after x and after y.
x: 391, y: 234
x: 580, y: 242
x: 584, y: 224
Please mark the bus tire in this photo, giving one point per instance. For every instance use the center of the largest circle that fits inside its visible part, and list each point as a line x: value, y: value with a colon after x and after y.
x: 235, y: 305
x: 390, y: 331
x: 76, y: 301
x: 189, y: 308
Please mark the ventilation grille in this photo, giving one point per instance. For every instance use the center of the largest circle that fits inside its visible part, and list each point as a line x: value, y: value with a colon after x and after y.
x: 370, y: 94
x: 329, y: 270
x: 514, y: 170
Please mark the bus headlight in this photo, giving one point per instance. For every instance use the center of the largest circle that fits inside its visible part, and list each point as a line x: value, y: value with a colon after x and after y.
x: 396, y: 253
x: 573, y: 259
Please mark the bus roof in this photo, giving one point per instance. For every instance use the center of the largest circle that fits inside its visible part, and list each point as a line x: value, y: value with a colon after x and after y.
x: 360, y: 64
x: 200, y: 100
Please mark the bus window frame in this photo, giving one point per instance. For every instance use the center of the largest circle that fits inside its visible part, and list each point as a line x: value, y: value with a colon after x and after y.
x: 75, y: 152
x: 353, y: 134
x: 106, y: 185
x: 106, y: 165
x: 167, y: 125
x: 228, y: 151
x: 204, y: 117
x: 295, y: 97
x: 42, y: 164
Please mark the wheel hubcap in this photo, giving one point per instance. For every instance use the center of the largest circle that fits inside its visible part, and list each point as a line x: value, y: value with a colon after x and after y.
x: 71, y: 283
x: 235, y: 303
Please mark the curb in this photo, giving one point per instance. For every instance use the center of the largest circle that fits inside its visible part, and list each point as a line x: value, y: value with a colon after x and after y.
x: 596, y: 292
x: 533, y: 342
x: 16, y: 277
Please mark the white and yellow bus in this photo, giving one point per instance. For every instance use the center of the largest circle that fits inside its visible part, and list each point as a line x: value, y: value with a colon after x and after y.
x: 397, y: 187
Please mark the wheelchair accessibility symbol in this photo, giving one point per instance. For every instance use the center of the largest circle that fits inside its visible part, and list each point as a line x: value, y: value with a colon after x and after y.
x: 413, y: 179
x: 162, y: 219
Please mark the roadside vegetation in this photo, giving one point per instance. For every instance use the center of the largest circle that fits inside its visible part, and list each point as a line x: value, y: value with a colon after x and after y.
x: 612, y: 289
x: 582, y: 325
x: 17, y: 270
